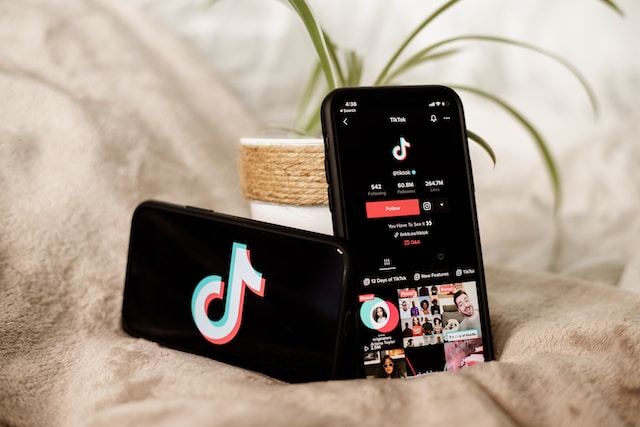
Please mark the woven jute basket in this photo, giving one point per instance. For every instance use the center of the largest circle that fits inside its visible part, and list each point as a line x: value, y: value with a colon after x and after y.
x: 284, y: 180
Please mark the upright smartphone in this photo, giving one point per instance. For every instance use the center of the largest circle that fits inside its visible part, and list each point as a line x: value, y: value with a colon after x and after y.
x: 256, y: 295
x: 401, y: 193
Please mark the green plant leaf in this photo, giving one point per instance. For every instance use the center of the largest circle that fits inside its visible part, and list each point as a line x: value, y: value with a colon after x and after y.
x: 309, y: 97
x: 426, y: 53
x: 354, y: 65
x: 313, y: 124
x: 335, y: 59
x: 414, y: 61
x: 540, y: 142
x: 613, y: 6
x: 318, y: 39
x: 349, y: 74
x: 383, y: 74
x: 482, y: 143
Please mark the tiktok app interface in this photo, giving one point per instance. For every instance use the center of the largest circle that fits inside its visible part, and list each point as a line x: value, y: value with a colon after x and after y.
x: 241, y: 295
x: 410, y: 217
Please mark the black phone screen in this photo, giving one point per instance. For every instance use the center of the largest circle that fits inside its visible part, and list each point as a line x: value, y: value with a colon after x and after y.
x: 262, y: 297
x: 402, y: 195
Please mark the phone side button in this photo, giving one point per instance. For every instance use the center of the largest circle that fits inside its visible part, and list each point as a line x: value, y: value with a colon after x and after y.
x: 326, y: 169
x: 194, y: 208
x: 346, y: 327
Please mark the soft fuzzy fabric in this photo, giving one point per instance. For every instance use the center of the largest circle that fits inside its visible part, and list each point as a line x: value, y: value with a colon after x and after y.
x: 99, y: 111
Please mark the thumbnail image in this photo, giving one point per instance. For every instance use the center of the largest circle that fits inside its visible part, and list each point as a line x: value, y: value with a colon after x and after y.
x: 386, y: 364
x: 459, y: 354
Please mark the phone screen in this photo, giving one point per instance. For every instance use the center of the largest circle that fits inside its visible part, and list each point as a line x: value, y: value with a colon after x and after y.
x: 401, y: 193
x: 242, y: 292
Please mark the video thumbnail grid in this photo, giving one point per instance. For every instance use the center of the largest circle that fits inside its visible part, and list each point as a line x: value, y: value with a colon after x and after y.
x: 435, y: 328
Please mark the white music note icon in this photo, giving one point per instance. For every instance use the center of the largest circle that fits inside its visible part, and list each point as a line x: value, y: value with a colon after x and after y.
x: 400, y: 151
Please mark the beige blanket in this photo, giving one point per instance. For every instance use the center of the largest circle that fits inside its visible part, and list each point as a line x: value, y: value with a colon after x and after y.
x: 100, y: 110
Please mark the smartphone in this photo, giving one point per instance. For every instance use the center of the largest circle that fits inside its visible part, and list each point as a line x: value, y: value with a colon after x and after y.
x: 256, y: 295
x: 401, y: 194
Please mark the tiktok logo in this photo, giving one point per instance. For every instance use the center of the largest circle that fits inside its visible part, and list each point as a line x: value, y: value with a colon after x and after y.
x: 400, y: 151
x: 241, y: 275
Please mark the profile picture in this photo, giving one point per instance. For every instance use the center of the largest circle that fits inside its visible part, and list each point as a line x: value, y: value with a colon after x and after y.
x: 379, y: 314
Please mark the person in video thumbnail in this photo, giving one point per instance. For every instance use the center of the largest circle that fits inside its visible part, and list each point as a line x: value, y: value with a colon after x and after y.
x: 427, y: 328
x: 471, y: 316
x: 415, y: 311
x: 424, y: 304
x: 379, y: 315
x: 437, y: 325
x: 406, y: 332
x: 416, y: 328
x: 388, y: 369
x: 435, y: 307
x: 404, y: 310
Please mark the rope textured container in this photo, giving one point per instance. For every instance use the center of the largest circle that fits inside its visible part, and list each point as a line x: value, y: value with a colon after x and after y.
x: 285, y: 174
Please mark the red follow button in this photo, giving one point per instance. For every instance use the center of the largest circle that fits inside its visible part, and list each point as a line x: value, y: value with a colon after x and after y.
x: 387, y: 208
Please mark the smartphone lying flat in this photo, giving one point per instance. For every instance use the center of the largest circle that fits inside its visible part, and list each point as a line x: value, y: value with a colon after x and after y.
x: 256, y: 295
x: 401, y: 193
